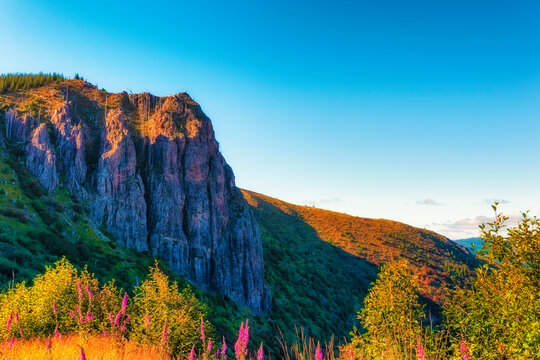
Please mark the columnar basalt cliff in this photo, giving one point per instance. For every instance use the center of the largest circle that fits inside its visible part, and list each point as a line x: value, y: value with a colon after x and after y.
x: 151, y: 174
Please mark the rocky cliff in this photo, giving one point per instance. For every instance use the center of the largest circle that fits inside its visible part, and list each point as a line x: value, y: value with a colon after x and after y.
x: 150, y: 174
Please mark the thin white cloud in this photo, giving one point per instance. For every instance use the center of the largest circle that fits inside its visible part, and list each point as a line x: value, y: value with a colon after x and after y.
x: 321, y: 202
x: 500, y: 201
x: 428, y: 202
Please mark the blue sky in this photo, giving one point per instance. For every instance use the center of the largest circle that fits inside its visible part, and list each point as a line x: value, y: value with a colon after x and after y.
x: 419, y: 111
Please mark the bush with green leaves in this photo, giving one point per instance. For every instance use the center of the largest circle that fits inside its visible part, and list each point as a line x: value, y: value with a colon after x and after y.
x: 62, y: 300
x: 391, y: 317
x: 66, y: 301
x: 164, y: 314
x: 498, y: 314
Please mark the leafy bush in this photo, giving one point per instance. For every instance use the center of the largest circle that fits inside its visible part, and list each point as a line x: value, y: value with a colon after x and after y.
x: 162, y: 313
x: 498, y: 314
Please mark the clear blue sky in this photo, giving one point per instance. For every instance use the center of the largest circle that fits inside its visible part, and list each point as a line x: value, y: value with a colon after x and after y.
x: 417, y: 111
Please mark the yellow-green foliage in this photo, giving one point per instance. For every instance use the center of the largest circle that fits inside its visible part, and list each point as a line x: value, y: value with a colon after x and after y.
x: 391, y: 315
x: 498, y: 315
x: 85, y: 307
x: 31, y: 307
x: 159, y: 306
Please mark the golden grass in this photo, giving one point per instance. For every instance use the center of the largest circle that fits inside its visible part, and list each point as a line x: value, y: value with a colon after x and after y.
x: 69, y: 347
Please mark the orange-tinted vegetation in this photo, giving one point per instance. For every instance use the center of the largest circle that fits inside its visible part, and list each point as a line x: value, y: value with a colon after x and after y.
x: 434, y: 259
x: 72, y: 347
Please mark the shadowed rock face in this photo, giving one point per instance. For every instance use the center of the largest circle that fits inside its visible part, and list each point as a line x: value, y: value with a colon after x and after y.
x: 160, y: 185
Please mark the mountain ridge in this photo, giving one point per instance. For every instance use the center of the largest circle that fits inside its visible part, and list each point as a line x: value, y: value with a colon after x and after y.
x: 150, y: 173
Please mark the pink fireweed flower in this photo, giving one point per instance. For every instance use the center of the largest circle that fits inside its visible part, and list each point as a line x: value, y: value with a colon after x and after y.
x: 83, y: 355
x: 146, y: 320
x: 89, y: 317
x: 56, y: 332
x: 123, y: 328
x: 260, y: 353
x: 79, y: 290
x: 79, y: 310
x: 223, y: 348
x: 55, y: 311
x: 124, y: 304
x: 164, y: 333
x: 465, y: 354
x: 111, y: 319
x: 71, y: 314
x: 191, y: 355
x: 202, y: 329
x: 104, y: 333
x: 11, y: 342
x: 17, y: 317
x: 10, y: 320
x: 351, y: 355
x: 48, y: 345
x: 117, y: 318
x: 209, y: 350
x: 240, y: 347
x: 89, y: 292
x: 318, y: 353
x: 420, y: 353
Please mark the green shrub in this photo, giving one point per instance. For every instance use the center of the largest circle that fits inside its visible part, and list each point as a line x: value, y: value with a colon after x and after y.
x: 498, y: 314
x: 159, y: 305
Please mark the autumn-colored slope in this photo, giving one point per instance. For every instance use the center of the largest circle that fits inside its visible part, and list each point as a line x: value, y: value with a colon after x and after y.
x: 433, y: 258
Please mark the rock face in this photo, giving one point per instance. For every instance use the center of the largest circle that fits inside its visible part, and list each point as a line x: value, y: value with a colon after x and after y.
x: 158, y: 183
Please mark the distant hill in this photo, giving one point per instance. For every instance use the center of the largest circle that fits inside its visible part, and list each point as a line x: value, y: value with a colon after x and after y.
x: 468, y: 242
x: 433, y: 258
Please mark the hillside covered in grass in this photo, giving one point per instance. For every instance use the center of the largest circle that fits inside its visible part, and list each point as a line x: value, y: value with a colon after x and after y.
x: 434, y: 259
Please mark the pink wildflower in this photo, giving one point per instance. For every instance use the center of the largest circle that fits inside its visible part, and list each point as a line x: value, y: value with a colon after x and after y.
x: 146, y: 320
x: 318, y: 353
x: 10, y: 320
x: 56, y: 332
x: 117, y: 318
x: 71, y: 314
x: 89, y: 292
x: 104, y: 333
x: 164, y: 334
x: 111, y: 319
x: 240, y: 347
x: 11, y: 342
x: 79, y: 290
x: 191, y: 355
x: 16, y: 317
x: 83, y: 355
x: 89, y: 317
x: 48, y: 345
x: 124, y: 304
x: 465, y: 354
x: 420, y: 353
x: 351, y: 355
x: 223, y: 348
x: 260, y: 353
x: 209, y: 350
x: 202, y: 329
x: 55, y: 311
